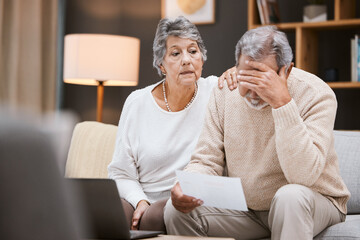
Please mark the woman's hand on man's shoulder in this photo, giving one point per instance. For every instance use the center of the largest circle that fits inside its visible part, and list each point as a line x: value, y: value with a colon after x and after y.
x: 230, y: 77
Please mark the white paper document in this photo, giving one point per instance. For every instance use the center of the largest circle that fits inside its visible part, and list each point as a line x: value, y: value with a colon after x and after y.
x: 214, y: 191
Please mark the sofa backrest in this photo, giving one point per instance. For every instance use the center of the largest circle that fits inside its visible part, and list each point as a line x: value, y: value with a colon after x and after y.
x: 91, y: 149
x: 347, y: 146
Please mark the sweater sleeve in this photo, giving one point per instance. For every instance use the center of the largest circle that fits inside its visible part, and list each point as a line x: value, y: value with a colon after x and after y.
x: 303, y: 139
x: 123, y: 168
x: 213, y: 81
x: 208, y: 157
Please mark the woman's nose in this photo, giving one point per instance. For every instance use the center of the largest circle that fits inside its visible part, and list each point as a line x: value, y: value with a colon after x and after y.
x: 185, y: 59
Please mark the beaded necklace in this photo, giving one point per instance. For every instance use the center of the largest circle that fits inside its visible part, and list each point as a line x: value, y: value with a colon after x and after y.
x: 187, y: 105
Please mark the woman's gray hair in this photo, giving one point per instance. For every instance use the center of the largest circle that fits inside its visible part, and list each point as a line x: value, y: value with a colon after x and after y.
x: 180, y: 27
x: 262, y: 42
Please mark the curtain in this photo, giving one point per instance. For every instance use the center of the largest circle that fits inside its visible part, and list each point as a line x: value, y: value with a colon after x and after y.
x: 28, y: 48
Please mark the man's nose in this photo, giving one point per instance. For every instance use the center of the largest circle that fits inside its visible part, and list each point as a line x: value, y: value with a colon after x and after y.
x: 253, y: 94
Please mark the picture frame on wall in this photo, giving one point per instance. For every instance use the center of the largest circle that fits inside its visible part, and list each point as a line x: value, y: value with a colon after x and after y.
x: 197, y: 11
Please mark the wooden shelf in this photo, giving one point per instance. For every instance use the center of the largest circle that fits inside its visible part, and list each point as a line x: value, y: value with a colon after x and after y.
x: 327, y: 25
x: 338, y: 85
x: 306, y: 34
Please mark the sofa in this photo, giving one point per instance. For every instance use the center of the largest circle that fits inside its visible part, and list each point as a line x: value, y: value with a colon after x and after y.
x: 92, y: 145
x: 347, y: 146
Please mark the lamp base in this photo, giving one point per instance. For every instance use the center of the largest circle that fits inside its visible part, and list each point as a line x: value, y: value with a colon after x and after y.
x: 100, y: 100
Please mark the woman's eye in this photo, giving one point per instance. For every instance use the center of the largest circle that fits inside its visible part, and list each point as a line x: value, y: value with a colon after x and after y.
x: 174, y: 54
x: 193, y: 51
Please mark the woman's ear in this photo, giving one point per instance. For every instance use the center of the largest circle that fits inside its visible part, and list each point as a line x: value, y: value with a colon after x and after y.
x: 162, y: 69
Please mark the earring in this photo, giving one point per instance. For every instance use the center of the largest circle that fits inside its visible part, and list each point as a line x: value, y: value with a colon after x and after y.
x: 162, y: 70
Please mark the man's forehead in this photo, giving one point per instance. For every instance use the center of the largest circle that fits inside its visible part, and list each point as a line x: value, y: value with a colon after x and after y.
x: 269, y: 60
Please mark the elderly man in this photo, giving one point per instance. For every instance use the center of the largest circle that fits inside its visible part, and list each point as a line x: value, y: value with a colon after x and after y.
x: 277, y: 136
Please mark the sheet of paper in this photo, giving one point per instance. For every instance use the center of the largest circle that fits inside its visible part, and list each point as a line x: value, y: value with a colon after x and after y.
x: 214, y: 191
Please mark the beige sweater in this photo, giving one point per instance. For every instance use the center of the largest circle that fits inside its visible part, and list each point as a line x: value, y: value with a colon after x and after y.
x: 270, y: 148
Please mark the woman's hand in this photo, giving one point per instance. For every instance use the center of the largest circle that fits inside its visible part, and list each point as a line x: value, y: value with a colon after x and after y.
x: 139, y: 211
x: 183, y: 203
x: 230, y: 77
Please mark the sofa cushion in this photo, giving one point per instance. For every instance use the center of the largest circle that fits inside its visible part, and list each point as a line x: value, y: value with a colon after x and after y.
x: 347, y: 146
x: 91, y: 149
x: 350, y: 229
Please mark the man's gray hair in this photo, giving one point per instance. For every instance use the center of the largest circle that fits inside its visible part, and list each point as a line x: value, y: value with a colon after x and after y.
x: 179, y: 27
x: 263, y: 41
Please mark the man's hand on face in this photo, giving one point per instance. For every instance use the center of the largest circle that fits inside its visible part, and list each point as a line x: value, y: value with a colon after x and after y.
x: 269, y: 85
x: 181, y: 202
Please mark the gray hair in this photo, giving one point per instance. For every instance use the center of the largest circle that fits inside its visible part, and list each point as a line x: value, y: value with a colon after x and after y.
x: 180, y: 27
x: 262, y: 42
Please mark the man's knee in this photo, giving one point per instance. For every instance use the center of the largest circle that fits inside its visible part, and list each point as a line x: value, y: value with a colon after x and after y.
x: 292, y: 195
x: 174, y: 219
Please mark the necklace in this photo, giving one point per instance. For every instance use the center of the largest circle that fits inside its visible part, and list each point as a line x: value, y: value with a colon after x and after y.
x: 187, y: 105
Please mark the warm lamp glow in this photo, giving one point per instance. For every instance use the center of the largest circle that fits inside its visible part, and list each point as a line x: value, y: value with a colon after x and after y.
x: 111, y: 59
x: 101, y: 60
x: 93, y: 82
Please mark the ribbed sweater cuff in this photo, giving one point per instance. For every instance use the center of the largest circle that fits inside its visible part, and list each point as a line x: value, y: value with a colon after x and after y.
x: 286, y: 115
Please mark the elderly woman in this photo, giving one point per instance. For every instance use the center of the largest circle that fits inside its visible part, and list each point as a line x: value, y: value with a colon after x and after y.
x: 160, y: 124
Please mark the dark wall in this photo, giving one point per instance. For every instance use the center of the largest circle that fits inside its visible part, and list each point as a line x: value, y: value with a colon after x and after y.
x: 139, y: 18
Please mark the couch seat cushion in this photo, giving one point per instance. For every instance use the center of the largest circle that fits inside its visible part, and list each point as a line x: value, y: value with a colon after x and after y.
x: 350, y: 229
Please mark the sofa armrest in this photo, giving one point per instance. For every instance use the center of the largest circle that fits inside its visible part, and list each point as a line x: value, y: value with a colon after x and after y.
x: 91, y: 149
x: 347, y: 146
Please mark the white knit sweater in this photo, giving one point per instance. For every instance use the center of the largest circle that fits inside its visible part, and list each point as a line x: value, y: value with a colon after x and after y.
x: 152, y: 143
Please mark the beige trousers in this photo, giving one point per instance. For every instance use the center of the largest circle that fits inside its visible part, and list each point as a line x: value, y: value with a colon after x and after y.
x: 296, y: 212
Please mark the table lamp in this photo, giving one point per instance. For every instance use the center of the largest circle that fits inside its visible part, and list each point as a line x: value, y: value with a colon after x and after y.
x: 101, y: 60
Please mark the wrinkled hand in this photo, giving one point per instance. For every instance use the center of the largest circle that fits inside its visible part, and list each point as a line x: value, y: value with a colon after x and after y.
x: 183, y: 203
x: 139, y: 211
x: 230, y: 77
x: 270, y: 86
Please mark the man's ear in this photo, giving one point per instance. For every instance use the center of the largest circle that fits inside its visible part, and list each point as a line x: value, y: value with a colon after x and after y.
x: 289, y: 70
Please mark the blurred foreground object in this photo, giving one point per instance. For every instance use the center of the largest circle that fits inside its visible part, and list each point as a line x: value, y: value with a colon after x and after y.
x: 34, y: 203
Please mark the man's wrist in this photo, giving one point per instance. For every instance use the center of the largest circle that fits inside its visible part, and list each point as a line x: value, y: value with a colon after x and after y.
x: 286, y: 116
x: 282, y: 102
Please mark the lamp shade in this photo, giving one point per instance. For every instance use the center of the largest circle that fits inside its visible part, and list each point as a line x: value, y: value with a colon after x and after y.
x: 110, y: 59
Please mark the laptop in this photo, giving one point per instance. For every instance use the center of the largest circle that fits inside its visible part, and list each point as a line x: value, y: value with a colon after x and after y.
x: 101, y: 212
